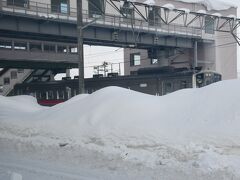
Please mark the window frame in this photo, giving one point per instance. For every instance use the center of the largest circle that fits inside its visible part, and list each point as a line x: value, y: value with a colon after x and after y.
x: 133, y: 60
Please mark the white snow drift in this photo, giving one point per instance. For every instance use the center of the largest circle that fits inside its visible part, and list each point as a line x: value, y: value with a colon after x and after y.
x: 189, y: 128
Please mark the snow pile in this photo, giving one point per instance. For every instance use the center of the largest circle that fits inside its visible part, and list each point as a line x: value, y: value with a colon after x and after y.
x: 191, y: 128
x: 213, y: 4
x: 150, y: 2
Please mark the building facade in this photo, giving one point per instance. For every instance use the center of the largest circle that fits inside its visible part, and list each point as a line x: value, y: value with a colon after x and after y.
x: 213, y: 51
x: 44, y: 32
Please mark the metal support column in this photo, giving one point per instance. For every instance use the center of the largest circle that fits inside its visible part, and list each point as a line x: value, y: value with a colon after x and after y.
x: 195, y: 54
x: 80, y: 47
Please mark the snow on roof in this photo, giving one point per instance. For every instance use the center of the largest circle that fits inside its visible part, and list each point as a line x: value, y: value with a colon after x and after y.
x: 201, y: 11
x: 150, y: 2
x: 185, y: 10
x: 169, y: 6
x: 213, y: 4
x: 217, y: 14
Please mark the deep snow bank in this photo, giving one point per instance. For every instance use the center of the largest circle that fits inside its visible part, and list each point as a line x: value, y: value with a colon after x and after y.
x: 210, y: 114
x: 189, y: 129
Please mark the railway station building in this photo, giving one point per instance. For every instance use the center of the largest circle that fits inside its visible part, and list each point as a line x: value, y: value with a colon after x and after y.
x: 38, y: 39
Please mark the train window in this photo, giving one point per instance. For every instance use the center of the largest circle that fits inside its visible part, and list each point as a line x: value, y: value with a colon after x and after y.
x: 35, y: 47
x: 43, y: 95
x: 49, y: 48
x: 143, y: 85
x: 62, y: 49
x: 73, y: 49
x: 4, y: 44
x: 6, y: 81
x: 13, y: 74
x: 50, y: 95
x: 38, y: 95
x: 20, y: 46
x: 168, y: 88
x: 74, y: 92
x: 217, y: 77
x: 61, y: 95
x: 135, y: 59
x: 183, y: 84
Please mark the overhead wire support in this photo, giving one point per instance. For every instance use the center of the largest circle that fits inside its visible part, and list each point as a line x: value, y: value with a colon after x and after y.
x: 229, y: 21
x: 80, y: 47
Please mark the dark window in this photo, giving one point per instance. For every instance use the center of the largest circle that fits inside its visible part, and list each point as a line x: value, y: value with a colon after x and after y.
x: 38, y: 95
x: 62, y: 49
x: 20, y: 46
x: 73, y: 49
x: 49, y: 48
x: 35, y: 47
x: 4, y: 44
x: 50, y: 95
x: 95, y: 8
x: 135, y: 59
x: 183, y: 84
x: 168, y: 87
x: 19, y: 3
x: 6, y: 81
x: 44, y: 95
x: 60, y: 6
x: 61, y: 95
x: 209, y: 25
x: 13, y: 74
x: 133, y: 72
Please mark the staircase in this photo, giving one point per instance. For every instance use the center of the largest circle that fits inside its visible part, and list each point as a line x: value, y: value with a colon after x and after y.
x: 10, y: 77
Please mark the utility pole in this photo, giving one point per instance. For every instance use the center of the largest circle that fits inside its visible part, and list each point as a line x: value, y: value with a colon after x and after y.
x: 80, y: 47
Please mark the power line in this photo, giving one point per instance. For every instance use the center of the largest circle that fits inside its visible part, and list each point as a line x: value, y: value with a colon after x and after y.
x: 147, y: 59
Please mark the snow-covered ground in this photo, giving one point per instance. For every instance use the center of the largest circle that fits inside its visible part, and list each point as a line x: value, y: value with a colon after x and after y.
x: 117, y: 133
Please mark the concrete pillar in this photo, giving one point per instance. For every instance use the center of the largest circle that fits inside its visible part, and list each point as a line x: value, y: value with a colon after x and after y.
x: 195, y: 64
x: 68, y: 73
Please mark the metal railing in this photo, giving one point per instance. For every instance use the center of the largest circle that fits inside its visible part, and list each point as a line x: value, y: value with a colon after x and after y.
x: 43, y: 10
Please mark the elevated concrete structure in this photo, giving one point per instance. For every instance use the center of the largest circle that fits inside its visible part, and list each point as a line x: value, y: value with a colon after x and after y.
x: 43, y: 34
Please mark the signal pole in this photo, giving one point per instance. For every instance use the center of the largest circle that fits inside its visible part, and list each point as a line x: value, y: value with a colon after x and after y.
x: 80, y: 47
